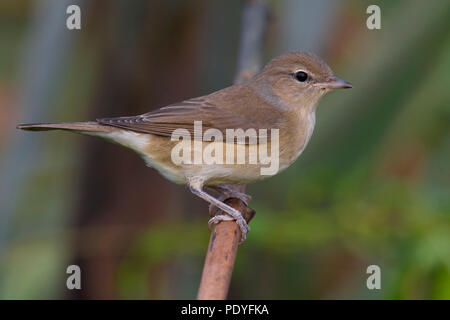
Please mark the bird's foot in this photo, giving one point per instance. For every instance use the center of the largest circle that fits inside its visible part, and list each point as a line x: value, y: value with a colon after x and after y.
x: 236, y: 215
x: 196, y: 187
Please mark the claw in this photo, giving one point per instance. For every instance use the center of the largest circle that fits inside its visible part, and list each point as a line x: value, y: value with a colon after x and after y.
x: 218, y: 218
x: 243, y: 226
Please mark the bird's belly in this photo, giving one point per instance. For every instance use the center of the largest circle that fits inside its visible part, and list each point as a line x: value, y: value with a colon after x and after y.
x: 228, y: 174
x: 215, y: 162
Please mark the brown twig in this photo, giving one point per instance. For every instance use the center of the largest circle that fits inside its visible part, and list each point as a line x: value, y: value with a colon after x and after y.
x: 224, y: 240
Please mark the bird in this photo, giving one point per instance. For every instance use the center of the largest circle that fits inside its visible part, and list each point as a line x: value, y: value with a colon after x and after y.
x: 274, y: 109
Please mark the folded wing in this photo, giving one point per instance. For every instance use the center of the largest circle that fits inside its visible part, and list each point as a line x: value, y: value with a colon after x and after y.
x: 211, y: 110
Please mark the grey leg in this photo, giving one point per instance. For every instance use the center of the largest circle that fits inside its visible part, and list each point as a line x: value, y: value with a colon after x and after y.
x: 212, y: 209
x: 231, y: 193
x: 196, y: 187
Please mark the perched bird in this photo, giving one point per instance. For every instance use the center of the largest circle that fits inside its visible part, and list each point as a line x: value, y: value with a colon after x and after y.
x: 275, y: 110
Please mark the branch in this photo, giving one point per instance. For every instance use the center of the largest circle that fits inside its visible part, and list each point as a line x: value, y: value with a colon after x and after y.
x: 224, y: 240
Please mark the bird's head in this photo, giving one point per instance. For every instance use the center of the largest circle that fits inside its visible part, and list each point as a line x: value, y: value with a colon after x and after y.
x: 298, y: 78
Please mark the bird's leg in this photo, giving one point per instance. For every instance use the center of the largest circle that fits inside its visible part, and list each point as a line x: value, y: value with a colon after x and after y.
x: 196, y: 187
x: 212, y: 209
x: 225, y: 192
x: 231, y: 193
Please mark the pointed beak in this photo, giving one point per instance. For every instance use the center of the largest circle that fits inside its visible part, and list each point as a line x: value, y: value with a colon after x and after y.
x: 335, y: 83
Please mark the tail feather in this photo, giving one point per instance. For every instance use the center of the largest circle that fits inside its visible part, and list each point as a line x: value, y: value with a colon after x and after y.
x: 90, y: 126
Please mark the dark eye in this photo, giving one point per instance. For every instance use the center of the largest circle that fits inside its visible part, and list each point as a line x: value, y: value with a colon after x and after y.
x: 301, y: 76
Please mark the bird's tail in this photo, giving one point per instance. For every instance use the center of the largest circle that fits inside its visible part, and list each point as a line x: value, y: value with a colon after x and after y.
x: 130, y: 139
x: 82, y: 127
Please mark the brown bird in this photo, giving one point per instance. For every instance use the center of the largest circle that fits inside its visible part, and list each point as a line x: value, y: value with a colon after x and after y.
x: 185, y: 141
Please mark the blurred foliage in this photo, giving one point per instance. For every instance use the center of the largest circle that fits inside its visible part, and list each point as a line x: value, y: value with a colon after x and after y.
x: 372, y: 187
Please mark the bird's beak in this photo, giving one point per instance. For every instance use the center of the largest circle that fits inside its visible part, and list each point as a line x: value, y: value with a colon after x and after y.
x: 335, y: 83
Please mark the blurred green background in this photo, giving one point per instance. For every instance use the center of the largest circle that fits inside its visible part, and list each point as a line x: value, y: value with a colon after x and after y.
x: 372, y: 187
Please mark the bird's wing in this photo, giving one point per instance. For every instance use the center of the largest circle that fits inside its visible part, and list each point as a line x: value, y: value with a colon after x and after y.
x: 215, y: 113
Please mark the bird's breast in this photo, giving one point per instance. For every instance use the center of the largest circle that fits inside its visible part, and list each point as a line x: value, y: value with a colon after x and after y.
x: 295, y: 137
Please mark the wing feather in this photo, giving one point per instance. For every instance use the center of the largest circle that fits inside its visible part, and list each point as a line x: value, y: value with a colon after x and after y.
x: 165, y: 120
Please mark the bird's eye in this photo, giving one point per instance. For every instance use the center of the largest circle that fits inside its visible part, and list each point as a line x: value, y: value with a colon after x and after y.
x: 301, y: 76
